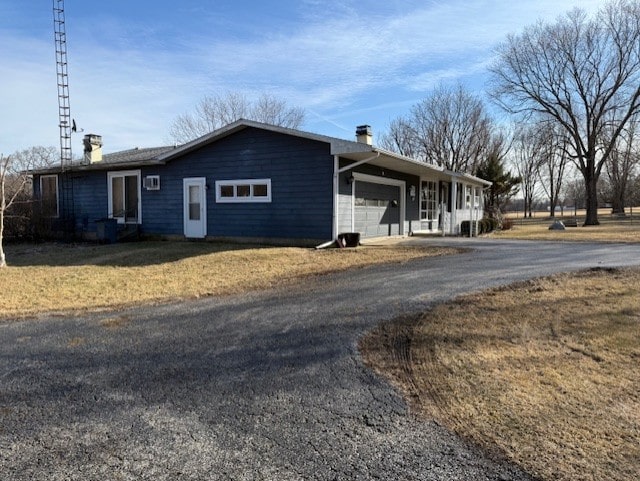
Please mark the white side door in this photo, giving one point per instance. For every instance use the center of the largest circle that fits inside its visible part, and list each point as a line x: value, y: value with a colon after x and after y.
x: 195, y: 207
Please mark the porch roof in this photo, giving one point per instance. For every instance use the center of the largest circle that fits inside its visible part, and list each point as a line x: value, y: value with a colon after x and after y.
x: 392, y: 161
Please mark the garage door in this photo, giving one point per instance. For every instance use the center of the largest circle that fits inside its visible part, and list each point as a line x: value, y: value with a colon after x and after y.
x: 377, y: 209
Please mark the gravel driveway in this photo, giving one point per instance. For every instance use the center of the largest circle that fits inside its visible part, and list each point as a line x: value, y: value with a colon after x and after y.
x: 264, y: 386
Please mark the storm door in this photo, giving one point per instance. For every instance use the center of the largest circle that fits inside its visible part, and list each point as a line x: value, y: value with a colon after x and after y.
x: 195, y: 208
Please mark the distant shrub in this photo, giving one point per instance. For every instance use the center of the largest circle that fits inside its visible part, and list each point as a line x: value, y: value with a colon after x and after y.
x: 507, y: 224
x: 482, y: 226
x: 17, y: 221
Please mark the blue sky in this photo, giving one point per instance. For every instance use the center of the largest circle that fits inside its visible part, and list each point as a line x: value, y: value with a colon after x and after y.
x: 135, y: 65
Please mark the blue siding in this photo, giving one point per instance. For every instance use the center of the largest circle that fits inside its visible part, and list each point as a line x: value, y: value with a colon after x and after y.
x: 301, y: 187
x: 300, y: 170
x: 89, y: 198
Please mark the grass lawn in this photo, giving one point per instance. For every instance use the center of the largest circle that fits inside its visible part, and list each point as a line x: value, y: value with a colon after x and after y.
x: 66, y: 277
x: 611, y: 229
x: 543, y: 372
x: 620, y: 232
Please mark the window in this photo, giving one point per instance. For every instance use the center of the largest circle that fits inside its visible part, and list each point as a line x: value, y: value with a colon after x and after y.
x: 49, y: 195
x: 124, y: 196
x: 428, y: 200
x: 194, y: 202
x: 227, y: 191
x: 252, y: 190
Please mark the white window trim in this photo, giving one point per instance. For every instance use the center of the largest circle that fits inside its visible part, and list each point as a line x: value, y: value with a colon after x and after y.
x: 435, y: 190
x: 57, y: 193
x: 235, y: 183
x: 123, y: 173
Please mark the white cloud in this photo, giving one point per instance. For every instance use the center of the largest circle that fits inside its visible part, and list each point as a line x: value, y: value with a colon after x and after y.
x: 129, y: 80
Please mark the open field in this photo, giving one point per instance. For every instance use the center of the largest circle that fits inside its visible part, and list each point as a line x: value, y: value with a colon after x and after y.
x: 611, y: 228
x: 544, y: 372
x: 64, y: 277
x: 603, y: 233
x: 604, y: 214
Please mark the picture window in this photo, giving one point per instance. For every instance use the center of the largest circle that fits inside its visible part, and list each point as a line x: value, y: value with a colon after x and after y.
x: 246, y: 190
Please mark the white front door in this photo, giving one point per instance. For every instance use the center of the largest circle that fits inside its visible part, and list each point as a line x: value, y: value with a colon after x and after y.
x: 195, y: 207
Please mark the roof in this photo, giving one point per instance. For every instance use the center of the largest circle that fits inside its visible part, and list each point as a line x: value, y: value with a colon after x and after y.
x: 125, y: 158
x: 338, y: 146
x: 347, y: 149
x: 136, y: 155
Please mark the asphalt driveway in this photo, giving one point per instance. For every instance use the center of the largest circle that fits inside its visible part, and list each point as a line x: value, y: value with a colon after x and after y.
x: 263, y: 386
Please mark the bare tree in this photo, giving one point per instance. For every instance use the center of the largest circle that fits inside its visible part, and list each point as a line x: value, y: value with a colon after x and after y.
x: 578, y: 71
x: 400, y: 138
x: 214, y: 112
x: 14, y: 180
x: 625, y: 157
x: 449, y: 128
x: 5, y: 201
x: 633, y: 191
x: 528, y: 155
x: 554, y: 161
x: 573, y: 192
x: 452, y: 129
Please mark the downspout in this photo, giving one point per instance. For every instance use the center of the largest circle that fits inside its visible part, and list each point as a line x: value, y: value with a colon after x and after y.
x: 336, y: 195
x: 336, y: 185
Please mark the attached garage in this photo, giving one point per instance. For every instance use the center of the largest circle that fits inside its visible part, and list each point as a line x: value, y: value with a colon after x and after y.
x: 378, y: 206
x: 377, y: 209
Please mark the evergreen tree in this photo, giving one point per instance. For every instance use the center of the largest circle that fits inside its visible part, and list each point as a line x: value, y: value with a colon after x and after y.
x: 504, y: 185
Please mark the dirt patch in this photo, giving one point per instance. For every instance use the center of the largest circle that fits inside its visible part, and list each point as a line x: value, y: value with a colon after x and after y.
x: 543, y: 372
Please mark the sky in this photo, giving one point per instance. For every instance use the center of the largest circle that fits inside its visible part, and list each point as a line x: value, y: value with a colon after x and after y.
x: 134, y: 66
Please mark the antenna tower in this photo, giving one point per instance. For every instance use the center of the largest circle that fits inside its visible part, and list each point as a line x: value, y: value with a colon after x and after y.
x: 64, y: 110
x: 64, y: 117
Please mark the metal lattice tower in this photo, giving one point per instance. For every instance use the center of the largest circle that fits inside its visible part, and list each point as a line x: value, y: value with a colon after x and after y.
x: 64, y: 110
x: 67, y: 217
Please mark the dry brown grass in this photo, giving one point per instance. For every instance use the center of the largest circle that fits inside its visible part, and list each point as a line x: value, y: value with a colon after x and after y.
x: 603, y: 213
x: 544, y: 372
x: 610, y: 232
x: 55, y: 277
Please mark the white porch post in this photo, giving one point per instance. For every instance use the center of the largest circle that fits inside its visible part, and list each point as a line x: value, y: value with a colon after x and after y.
x: 454, y: 204
x: 336, y: 196
x: 443, y: 214
x: 472, y: 192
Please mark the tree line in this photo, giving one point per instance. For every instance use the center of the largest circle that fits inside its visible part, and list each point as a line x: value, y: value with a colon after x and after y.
x: 572, y: 88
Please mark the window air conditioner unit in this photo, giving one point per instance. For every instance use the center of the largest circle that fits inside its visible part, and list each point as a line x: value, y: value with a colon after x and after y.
x: 151, y: 182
